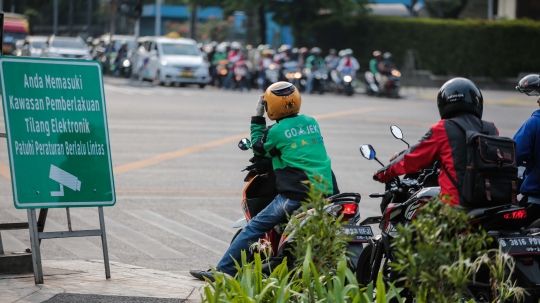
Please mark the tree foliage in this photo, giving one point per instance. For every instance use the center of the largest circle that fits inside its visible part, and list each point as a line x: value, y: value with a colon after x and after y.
x: 300, y: 15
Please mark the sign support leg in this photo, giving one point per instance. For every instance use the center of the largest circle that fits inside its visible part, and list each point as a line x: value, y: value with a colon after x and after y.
x: 104, y: 243
x: 41, y: 220
x: 34, y: 241
x: 1, y: 246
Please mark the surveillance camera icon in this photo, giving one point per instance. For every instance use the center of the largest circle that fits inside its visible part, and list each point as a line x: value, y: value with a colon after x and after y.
x: 65, y: 179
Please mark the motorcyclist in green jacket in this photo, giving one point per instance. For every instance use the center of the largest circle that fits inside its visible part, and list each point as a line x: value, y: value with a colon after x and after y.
x: 296, y: 146
x: 313, y: 63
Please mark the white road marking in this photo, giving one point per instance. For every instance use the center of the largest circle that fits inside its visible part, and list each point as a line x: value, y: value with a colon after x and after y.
x: 131, y: 237
x: 77, y: 246
x: 212, y: 219
x: 180, y: 230
x: 12, y: 244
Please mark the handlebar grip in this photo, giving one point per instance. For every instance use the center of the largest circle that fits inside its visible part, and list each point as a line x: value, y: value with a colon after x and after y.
x: 376, y: 195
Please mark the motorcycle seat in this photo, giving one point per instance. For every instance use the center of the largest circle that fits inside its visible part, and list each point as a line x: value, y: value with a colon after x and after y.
x: 345, y: 197
x: 477, y: 212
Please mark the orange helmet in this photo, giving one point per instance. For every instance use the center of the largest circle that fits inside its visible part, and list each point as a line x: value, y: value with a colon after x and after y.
x: 282, y: 99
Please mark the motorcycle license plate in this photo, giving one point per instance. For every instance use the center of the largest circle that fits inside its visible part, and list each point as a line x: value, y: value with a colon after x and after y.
x: 357, y: 233
x: 520, y: 245
x: 187, y: 74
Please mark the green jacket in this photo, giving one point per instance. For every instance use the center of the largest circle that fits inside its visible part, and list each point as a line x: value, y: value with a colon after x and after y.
x: 373, y: 66
x: 315, y: 62
x: 296, y: 147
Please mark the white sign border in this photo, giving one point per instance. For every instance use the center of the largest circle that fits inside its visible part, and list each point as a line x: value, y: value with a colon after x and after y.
x: 34, y: 205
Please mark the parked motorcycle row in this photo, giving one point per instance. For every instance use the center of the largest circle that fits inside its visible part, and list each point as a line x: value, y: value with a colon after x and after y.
x: 404, y: 197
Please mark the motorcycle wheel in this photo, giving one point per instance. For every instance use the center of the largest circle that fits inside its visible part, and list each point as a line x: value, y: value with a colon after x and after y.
x: 349, y: 91
x: 363, y: 267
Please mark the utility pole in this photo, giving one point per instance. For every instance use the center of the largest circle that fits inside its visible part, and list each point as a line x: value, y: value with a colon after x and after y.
x: 89, y: 18
x: 490, y: 9
x: 157, y: 29
x: 114, y: 8
x: 55, y: 17
x: 70, y: 17
x: 193, y: 22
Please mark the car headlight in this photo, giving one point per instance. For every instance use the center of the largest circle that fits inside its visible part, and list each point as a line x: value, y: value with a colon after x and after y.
x: 56, y: 55
x: 347, y: 78
x: 163, y: 62
x: 126, y: 63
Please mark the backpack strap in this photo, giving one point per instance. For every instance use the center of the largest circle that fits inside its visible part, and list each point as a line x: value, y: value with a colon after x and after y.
x: 454, y: 182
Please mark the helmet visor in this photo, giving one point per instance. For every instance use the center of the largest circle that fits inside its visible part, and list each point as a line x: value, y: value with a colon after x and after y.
x: 284, y: 91
x: 528, y: 92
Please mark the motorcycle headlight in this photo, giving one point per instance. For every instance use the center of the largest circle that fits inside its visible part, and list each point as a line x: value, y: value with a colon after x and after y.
x: 396, y: 73
x: 298, y: 75
x: 347, y: 78
x: 272, y: 66
x: 55, y: 55
x: 126, y: 63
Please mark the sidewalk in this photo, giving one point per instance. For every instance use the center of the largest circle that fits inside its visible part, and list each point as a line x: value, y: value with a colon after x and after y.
x: 84, y: 281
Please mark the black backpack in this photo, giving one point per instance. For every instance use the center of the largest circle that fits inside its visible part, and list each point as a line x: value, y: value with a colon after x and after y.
x: 491, y: 174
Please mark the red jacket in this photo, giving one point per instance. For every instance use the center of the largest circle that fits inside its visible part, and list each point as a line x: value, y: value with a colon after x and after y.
x: 444, y: 142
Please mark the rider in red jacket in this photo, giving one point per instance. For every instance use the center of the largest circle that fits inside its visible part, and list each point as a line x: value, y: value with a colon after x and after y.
x: 460, y: 99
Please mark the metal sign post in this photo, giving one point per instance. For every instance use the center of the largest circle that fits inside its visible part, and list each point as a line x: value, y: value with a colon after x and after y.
x: 58, y: 143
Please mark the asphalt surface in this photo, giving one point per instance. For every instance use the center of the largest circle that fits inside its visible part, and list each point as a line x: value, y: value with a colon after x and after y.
x: 70, y: 298
x: 178, y: 168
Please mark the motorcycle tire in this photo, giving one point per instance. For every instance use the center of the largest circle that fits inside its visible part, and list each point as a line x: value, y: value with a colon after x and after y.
x: 363, y: 267
x: 349, y: 91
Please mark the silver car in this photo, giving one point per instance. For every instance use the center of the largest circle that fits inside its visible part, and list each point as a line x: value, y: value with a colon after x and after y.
x: 33, y: 45
x: 66, y: 47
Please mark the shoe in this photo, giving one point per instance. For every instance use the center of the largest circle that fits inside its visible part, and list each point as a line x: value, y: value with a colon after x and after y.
x: 203, y: 275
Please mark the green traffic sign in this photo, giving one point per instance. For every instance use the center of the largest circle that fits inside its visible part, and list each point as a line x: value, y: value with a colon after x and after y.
x: 57, y: 134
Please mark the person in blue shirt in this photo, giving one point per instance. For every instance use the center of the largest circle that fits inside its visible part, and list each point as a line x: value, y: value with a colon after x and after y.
x: 528, y: 149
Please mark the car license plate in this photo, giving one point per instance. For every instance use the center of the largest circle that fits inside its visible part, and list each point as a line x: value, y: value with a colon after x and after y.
x: 520, y: 245
x: 187, y: 74
x: 358, y: 233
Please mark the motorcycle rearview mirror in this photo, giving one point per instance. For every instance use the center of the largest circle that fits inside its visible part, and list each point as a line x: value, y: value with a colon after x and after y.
x: 369, y: 153
x: 244, y: 144
x: 398, y: 134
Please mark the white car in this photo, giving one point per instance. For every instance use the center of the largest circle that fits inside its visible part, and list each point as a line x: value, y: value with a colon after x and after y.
x: 66, y: 47
x: 169, y: 60
x: 33, y: 46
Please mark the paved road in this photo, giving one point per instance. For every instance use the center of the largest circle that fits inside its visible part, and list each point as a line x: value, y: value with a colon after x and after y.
x: 177, y: 166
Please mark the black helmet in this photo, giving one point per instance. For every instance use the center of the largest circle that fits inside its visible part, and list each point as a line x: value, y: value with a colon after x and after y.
x: 459, y: 95
x: 529, y: 85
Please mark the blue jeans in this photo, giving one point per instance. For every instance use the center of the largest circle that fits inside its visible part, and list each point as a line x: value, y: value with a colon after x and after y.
x: 276, y: 212
x: 533, y: 200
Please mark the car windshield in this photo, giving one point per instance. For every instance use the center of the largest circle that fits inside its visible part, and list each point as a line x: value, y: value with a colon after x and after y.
x: 179, y: 49
x: 37, y: 44
x: 68, y: 44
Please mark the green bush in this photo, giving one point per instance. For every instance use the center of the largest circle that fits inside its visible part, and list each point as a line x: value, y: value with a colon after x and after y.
x: 319, y: 231
x: 446, y: 47
x: 302, y: 285
x: 439, y: 255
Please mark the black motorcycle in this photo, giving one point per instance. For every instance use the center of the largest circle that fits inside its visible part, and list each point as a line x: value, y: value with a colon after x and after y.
x: 402, y: 201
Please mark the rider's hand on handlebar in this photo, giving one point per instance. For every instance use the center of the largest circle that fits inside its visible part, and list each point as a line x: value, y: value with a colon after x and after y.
x: 375, y: 177
x: 397, y: 155
x: 259, y: 110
